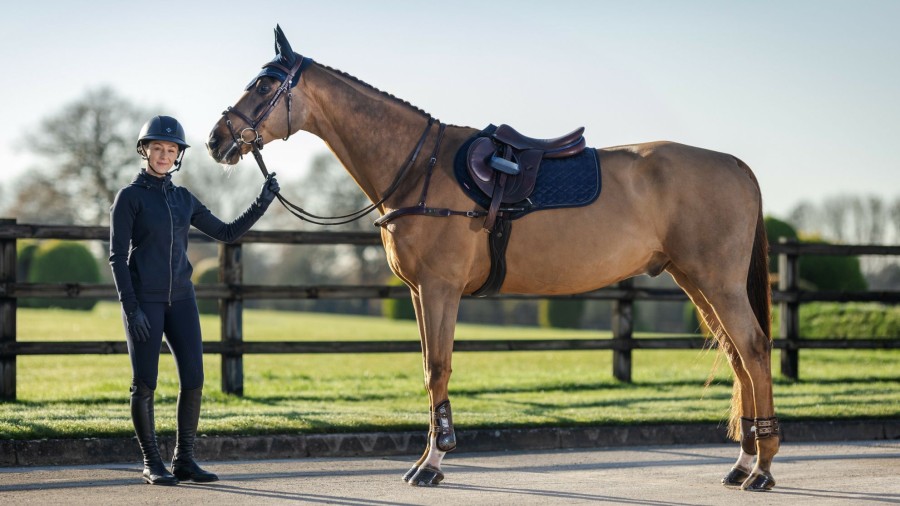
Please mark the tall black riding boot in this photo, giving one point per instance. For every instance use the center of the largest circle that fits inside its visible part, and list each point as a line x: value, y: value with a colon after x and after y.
x: 183, y: 465
x: 155, y: 472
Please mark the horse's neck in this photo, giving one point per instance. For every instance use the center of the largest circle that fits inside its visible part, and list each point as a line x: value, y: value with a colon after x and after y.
x: 370, y: 133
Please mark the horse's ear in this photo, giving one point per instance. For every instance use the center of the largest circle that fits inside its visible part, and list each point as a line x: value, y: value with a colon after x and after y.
x: 282, y: 46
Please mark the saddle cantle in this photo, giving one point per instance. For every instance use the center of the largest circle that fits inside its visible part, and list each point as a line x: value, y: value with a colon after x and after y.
x: 505, y: 165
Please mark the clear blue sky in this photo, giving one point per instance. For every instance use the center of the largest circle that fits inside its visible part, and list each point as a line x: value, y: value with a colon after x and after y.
x: 806, y: 92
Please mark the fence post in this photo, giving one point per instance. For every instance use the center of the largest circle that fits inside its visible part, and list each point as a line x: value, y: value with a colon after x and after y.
x: 623, y: 330
x: 789, y: 328
x: 8, y: 315
x: 232, y: 318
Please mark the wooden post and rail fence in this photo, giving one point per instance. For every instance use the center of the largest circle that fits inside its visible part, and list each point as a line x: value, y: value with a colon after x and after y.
x: 231, y: 292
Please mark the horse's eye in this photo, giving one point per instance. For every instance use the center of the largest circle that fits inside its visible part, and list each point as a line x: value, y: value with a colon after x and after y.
x: 263, y: 89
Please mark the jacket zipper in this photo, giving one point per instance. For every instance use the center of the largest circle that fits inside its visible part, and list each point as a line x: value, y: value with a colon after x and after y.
x: 171, y: 239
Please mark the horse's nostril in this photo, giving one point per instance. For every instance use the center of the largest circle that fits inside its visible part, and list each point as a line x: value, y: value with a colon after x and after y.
x: 212, y: 142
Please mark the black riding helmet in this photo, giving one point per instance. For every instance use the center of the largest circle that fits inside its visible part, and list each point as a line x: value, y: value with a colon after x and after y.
x: 162, y: 128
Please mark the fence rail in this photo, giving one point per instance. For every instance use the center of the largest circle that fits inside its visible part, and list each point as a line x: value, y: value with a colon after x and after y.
x: 231, y: 292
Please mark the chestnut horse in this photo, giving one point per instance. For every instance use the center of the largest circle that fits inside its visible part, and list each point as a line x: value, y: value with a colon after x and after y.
x: 694, y: 213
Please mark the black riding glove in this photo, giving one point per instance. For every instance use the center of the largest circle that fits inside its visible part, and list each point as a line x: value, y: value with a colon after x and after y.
x: 138, y: 325
x: 269, y: 189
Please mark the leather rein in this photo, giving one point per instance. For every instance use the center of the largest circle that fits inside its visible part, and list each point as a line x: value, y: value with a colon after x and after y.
x: 250, y: 135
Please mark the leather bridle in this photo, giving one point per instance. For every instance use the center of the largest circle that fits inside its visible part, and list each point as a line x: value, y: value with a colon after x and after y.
x: 250, y: 135
x: 255, y: 138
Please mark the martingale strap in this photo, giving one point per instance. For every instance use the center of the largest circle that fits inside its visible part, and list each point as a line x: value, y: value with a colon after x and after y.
x: 766, y: 427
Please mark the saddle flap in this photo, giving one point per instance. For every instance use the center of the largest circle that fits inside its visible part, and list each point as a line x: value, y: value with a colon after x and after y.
x: 478, y: 161
x: 516, y: 187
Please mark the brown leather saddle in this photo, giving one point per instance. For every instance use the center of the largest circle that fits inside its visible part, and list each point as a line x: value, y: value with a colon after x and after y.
x: 505, y: 165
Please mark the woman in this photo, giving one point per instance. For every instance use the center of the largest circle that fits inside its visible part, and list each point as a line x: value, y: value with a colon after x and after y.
x: 150, y: 219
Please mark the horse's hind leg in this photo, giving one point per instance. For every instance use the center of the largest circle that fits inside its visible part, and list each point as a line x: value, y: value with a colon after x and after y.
x: 742, y: 394
x: 753, y: 349
x: 436, y: 311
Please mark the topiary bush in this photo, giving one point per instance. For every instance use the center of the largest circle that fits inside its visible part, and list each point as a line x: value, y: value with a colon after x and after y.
x: 845, y: 320
x: 63, y: 262
x: 825, y: 272
x: 206, y: 272
x: 561, y: 313
x: 25, y: 250
x: 398, y: 309
x: 693, y: 323
x: 829, y: 272
x: 776, y: 229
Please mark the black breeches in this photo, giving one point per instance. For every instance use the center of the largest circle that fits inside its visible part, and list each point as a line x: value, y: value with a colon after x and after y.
x: 180, y: 322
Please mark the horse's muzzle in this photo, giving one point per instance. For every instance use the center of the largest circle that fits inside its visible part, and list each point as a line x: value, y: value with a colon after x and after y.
x: 223, y: 150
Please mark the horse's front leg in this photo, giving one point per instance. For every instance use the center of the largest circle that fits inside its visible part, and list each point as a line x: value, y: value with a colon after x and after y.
x: 436, y: 312
x: 417, y: 307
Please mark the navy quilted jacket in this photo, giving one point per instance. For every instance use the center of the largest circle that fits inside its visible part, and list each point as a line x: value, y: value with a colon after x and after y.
x: 148, y: 238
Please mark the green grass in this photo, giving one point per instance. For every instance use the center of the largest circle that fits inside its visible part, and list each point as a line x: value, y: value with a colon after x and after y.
x: 87, y: 395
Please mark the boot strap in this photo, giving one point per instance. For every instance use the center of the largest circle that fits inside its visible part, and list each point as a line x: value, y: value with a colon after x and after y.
x: 767, y: 427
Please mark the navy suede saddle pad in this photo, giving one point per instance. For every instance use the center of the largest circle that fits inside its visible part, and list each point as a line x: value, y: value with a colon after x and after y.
x: 561, y: 182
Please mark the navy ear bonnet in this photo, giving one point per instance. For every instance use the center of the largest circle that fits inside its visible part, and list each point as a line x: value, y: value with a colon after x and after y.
x: 285, y: 58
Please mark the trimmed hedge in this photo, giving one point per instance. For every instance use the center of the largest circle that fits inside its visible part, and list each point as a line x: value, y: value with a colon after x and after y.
x: 776, y: 229
x: 398, y: 309
x: 845, y: 320
x: 693, y: 323
x: 206, y: 272
x: 826, y: 272
x: 25, y: 250
x: 63, y: 262
x: 561, y: 313
x: 827, y: 319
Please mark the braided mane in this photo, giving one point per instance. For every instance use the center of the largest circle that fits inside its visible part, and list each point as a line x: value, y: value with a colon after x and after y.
x: 369, y: 86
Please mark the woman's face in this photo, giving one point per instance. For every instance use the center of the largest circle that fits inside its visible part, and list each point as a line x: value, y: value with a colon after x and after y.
x: 161, y: 155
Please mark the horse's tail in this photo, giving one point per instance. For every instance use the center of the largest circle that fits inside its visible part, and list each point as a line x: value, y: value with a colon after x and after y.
x: 760, y: 294
x: 758, y: 289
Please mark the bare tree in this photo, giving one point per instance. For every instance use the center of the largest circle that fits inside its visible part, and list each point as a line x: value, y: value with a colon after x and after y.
x: 86, y: 147
x: 330, y: 190
x: 227, y: 193
x: 835, y: 211
x: 877, y: 211
x: 894, y: 214
x: 805, y: 217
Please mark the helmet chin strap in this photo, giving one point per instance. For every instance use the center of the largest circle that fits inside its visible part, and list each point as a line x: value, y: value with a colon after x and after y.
x: 161, y: 174
x: 178, y: 161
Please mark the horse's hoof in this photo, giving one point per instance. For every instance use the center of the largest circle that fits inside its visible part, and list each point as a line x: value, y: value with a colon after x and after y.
x: 426, y: 476
x: 759, y: 481
x: 412, y: 472
x: 735, y: 477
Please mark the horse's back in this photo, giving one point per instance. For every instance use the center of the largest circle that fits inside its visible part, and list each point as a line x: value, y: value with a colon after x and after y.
x: 692, y: 198
x: 660, y: 202
x: 677, y: 177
